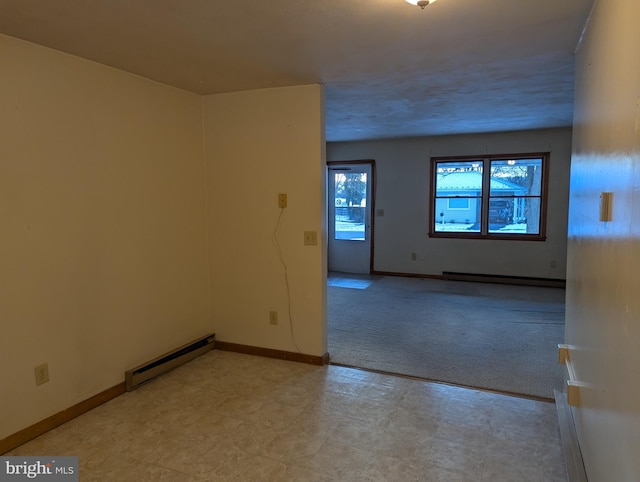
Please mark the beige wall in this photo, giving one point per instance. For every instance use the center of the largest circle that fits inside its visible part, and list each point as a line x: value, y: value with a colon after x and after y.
x: 258, y: 144
x: 103, y: 253
x: 402, y: 190
x: 603, y: 302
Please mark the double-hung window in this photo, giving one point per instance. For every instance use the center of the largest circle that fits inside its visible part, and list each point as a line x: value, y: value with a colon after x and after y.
x: 498, y: 197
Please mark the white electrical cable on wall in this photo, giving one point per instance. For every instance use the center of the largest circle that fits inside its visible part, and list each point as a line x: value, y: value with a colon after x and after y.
x: 286, y: 277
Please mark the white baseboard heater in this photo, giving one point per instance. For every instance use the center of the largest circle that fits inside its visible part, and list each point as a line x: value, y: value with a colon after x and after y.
x: 181, y: 355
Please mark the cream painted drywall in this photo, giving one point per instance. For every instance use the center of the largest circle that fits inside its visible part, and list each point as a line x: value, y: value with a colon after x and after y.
x: 603, y: 302
x: 259, y: 144
x: 103, y: 247
x: 402, y: 191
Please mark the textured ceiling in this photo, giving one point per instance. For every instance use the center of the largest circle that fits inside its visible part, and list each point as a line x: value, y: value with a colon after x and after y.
x: 389, y: 69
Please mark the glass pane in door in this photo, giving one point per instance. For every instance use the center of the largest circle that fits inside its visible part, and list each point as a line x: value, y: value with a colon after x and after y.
x: 350, y: 203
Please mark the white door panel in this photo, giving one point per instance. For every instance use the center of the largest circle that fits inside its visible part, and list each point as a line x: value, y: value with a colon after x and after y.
x: 349, y: 248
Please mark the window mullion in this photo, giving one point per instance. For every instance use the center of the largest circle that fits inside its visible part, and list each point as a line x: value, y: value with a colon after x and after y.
x: 486, y: 188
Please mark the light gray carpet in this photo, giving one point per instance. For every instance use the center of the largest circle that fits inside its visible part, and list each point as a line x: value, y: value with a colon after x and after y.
x: 498, y: 337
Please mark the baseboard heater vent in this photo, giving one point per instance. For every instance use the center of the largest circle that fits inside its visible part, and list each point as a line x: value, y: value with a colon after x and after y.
x: 569, y: 437
x: 181, y: 355
x: 513, y: 280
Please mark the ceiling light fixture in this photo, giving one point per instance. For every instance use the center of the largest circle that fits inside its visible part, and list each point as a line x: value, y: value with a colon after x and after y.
x: 421, y: 3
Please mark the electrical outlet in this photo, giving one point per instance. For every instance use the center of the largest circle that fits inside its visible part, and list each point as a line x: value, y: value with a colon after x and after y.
x: 282, y: 200
x: 42, y: 373
x: 273, y: 317
x: 414, y: 256
x: 310, y: 238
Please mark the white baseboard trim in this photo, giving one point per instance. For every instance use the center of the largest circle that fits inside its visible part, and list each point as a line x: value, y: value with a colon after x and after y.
x: 572, y: 453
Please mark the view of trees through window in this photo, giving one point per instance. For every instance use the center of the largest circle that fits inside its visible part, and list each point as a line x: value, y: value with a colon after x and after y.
x: 488, y: 197
x: 350, y: 203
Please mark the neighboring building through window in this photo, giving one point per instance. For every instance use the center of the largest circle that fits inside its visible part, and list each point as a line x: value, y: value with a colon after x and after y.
x: 458, y: 203
x: 500, y: 197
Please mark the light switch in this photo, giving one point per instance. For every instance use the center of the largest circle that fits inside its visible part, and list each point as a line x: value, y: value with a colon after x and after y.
x: 606, y: 199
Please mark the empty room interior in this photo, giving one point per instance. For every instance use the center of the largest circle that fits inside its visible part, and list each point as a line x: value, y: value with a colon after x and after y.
x: 181, y: 181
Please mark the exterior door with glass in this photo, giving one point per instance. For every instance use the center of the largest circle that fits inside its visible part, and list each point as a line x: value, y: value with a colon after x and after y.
x: 350, y: 230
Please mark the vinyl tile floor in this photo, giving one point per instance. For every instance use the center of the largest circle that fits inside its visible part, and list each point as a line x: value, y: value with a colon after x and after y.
x: 233, y: 417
